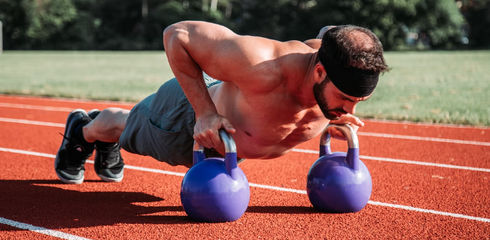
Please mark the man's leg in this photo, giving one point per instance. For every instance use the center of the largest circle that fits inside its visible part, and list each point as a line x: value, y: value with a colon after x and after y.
x: 105, y: 130
x: 84, y: 131
x: 107, y: 126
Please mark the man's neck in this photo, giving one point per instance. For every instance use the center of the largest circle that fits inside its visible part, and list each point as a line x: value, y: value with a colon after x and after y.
x: 302, y: 87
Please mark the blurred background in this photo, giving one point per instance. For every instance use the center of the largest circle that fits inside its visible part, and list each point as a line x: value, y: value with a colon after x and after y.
x: 437, y: 50
x: 138, y: 24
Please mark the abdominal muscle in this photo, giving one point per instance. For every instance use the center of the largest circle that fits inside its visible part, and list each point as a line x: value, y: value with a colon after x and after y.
x: 268, y: 127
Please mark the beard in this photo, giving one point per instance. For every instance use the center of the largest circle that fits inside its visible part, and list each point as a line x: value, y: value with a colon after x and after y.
x: 318, y: 90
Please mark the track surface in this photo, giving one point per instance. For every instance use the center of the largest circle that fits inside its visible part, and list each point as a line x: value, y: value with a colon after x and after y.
x: 429, y: 181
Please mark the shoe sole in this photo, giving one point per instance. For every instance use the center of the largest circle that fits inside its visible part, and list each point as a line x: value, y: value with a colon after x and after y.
x: 65, y: 180
x: 108, y: 179
x: 69, y: 181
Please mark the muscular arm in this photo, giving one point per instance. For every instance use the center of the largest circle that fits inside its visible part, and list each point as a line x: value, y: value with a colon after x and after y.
x: 193, y: 47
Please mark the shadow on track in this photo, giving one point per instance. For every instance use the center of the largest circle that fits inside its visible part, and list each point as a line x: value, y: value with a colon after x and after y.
x: 43, y: 203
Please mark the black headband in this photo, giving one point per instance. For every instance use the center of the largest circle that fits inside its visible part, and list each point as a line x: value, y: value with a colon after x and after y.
x: 352, y: 81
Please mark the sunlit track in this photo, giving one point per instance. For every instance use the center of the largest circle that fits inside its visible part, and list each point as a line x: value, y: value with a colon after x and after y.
x: 402, y: 161
x: 275, y: 188
x: 374, y: 158
x: 425, y: 198
x: 35, y: 107
x: 369, y: 134
x: 30, y: 122
x: 417, y: 138
x: 40, y: 230
x: 418, y: 124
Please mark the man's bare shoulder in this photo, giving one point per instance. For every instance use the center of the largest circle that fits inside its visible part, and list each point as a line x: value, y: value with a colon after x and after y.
x: 272, y: 62
x: 252, y: 63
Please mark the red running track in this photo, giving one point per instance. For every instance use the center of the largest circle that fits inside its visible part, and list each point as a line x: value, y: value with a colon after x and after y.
x: 429, y: 181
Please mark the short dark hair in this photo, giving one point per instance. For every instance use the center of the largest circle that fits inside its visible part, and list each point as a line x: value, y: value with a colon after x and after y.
x: 351, y: 46
x: 353, y: 59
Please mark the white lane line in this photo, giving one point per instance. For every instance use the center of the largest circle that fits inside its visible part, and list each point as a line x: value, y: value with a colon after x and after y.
x: 70, y: 100
x: 51, y: 124
x: 409, y: 208
x: 38, y: 154
x: 130, y: 105
x: 144, y: 169
x: 383, y: 159
x: 36, y: 107
x: 425, y: 163
x: 282, y: 189
x: 40, y: 230
x: 427, y: 124
x: 31, y: 122
x: 430, y: 139
x: 275, y: 188
x: 371, y: 134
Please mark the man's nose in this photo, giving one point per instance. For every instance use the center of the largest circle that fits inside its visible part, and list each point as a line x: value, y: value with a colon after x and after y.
x: 350, y: 107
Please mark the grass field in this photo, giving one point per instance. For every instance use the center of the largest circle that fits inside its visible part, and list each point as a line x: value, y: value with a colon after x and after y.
x: 442, y: 87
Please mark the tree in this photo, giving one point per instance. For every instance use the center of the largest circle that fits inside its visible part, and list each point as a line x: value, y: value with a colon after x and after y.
x: 439, y: 20
x: 477, y: 15
x: 138, y: 24
x: 14, y: 24
x: 46, y: 17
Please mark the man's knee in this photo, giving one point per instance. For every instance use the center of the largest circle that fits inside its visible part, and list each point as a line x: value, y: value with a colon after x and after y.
x: 111, y: 119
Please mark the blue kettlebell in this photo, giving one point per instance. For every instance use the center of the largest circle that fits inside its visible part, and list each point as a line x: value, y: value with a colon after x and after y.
x: 339, y: 182
x: 215, y: 189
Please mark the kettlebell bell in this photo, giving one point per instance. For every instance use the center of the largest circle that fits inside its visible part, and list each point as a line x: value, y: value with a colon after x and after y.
x: 215, y: 189
x: 339, y: 182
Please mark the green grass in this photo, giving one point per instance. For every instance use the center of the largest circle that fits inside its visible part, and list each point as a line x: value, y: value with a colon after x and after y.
x: 126, y: 76
x: 442, y: 87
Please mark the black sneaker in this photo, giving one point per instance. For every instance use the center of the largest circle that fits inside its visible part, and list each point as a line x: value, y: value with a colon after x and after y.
x: 108, y: 164
x: 73, y: 152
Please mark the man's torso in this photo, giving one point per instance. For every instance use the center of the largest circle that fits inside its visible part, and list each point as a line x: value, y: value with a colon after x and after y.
x: 268, y: 123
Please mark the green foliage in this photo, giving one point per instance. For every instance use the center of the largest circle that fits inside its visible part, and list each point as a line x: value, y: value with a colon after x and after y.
x: 443, y: 22
x: 14, y: 24
x: 437, y: 22
x: 47, y: 17
x: 477, y: 14
x: 138, y: 24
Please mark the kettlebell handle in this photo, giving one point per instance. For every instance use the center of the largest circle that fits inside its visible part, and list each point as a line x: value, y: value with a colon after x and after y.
x: 230, y: 152
x: 352, y: 142
x: 348, y: 132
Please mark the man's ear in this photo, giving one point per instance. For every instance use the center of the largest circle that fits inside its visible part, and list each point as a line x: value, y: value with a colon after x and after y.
x: 320, y: 73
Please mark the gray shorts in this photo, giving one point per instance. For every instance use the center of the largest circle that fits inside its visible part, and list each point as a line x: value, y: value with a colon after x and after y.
x: 162, y: 126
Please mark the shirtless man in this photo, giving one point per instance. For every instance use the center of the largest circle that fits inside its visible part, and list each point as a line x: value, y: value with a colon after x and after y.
x: 271, y: 97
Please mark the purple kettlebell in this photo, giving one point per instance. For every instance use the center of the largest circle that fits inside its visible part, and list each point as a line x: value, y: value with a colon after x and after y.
x: 339, y: 182
x: 215, y: 189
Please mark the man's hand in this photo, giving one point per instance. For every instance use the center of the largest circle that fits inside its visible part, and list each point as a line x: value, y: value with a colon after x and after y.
x: 350, y: 119
x: 206, y: 131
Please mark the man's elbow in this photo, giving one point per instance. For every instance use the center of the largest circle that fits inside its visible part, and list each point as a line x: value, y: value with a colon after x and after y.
x: 171, y: 30
x: 174, y: 32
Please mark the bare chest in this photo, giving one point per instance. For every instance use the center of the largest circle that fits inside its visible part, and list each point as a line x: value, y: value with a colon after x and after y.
x: 268, y: 125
